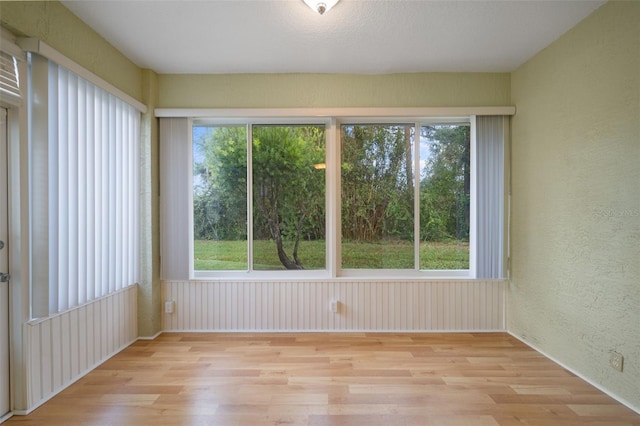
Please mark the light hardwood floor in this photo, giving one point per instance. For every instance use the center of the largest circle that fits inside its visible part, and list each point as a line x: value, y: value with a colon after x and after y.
x: 363, y: 379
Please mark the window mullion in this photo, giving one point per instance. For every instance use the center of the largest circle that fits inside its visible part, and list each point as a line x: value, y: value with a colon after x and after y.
x: 332, y: 197
x: 250, y: 196
x: 416, y: 194
x: 473, y: 221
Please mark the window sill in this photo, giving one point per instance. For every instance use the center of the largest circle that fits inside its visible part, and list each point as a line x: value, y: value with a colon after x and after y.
x: 349, y: 275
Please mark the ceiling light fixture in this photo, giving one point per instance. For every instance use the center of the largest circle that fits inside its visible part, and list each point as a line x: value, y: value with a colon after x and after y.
x: 321, y: 6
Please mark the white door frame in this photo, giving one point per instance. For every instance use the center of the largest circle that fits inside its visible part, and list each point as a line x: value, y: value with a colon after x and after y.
x: 17, y: 208
x: 5, y: 354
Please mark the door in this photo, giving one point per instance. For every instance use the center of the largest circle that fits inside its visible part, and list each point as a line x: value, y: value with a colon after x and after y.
x: 5, y: 400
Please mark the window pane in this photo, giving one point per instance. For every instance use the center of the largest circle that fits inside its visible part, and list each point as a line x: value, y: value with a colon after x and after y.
x: 220, y: 198
x: 288, y: 197
x: 444, y: 196
x: 377, y: 196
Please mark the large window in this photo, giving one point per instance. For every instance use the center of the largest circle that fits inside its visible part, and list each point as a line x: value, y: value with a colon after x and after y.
x: 282, y: 225
x: 379, y: 189
x: 352, y: 197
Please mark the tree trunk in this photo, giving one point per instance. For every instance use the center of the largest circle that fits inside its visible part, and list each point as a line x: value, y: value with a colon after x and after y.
x: 282, y: 255
x: 297, y: 242
x: 408, y: 162
x: 284, y: 259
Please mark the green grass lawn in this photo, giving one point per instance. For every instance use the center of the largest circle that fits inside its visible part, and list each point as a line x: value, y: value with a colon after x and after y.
x: 232, y: 255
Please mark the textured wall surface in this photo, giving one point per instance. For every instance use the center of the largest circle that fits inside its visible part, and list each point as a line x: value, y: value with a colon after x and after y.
x: 54, y: 24
x: 575, y: 291
x: 329, y: 90
x: 149, y: 319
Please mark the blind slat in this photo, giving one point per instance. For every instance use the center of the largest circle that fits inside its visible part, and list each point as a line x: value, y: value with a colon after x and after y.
x: 9, y: 78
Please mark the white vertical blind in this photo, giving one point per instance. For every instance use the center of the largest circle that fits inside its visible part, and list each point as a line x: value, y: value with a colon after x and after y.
x: 490, y: 196
x: 93, y: 154
x: 175, y: 189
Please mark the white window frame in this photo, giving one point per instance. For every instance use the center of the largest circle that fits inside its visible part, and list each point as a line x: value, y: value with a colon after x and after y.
x: 258, y: 274
x: 333, y: 241
x: 416, y: 272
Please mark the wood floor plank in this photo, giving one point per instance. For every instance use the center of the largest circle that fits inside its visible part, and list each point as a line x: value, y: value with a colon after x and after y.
x: 333, y: 379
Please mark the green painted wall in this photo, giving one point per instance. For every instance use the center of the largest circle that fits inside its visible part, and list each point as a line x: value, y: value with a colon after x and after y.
x: 54, y: 24
x: 575, y: 291
x: 332, y: 90
x: 149, y: 288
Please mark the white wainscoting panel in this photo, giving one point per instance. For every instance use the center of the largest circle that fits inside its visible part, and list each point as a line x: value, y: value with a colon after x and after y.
x: 448, y: 305
x: 64, y: 347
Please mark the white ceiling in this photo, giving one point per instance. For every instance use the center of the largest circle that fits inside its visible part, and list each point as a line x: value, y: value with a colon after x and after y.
x: 356, y: 36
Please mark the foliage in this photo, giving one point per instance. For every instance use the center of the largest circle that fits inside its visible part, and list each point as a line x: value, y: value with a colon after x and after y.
x: 288, y: 197
x: 377, y: 182
x: 220, y: 196
x: 445, y: 185
x: 288, y: 192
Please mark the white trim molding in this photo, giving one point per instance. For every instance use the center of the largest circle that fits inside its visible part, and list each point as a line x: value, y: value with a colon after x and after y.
x: 342, y: 113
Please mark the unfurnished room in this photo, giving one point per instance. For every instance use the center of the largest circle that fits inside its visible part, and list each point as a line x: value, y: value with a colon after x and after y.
x: 320, y: 212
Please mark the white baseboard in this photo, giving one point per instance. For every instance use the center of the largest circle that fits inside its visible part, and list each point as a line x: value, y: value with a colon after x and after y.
x: 258, y: 331
x: 150, y: 337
